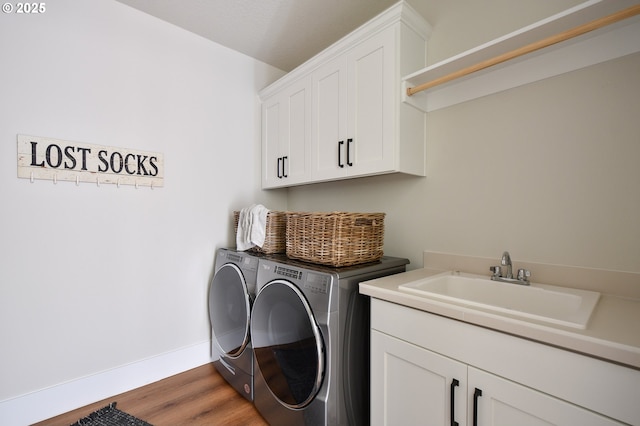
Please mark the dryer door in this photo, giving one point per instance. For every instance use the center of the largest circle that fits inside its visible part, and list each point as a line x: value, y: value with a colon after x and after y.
x: 229, y: 310
x: 287, y: 343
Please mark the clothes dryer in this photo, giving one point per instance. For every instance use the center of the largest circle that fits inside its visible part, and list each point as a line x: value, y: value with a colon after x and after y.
x: 310, y: 335
x: 231, y: 294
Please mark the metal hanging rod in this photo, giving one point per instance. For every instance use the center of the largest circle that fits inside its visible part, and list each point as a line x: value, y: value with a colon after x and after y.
x: 546, y: 42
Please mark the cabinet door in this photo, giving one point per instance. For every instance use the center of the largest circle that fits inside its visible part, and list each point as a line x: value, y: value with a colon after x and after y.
x: 500, y: 402
x: 329, y: 120
x: 272, y: 115
x: 286, y: 136
x: 413, y: 386
x: 371, y: 104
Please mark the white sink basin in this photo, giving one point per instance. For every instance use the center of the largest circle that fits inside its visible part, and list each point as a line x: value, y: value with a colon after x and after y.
x: 557, y: 305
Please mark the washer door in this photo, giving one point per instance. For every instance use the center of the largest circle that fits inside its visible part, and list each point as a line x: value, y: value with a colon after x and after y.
x: 287, y: 344
x: 229, y: 310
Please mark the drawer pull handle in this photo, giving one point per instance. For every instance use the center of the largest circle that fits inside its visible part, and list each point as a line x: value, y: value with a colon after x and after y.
x: 454, y: 383
x: 476, y: 394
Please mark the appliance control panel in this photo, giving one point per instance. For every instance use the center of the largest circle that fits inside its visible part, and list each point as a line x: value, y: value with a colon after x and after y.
x: 244, y: 261
x: 288, y: 272
x: 318, y: 283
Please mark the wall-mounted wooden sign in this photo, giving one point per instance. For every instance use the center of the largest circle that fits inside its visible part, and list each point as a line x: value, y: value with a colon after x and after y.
x: 54, y: 159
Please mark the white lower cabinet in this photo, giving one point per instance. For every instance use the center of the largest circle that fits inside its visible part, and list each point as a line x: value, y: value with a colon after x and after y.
x: 413, y: 385
x: 500, y: 402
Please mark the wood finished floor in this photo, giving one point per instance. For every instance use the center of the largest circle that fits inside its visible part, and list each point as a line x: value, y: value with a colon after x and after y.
x: 196, y: 397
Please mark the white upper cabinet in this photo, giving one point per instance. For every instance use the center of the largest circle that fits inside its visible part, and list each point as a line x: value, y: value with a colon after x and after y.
x: 353, y: 112
x: 355, y: 123
x: 329, y: 129
x: 286, y: 135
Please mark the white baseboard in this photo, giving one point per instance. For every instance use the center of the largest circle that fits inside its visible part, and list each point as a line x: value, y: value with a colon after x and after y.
x: 49, y: 402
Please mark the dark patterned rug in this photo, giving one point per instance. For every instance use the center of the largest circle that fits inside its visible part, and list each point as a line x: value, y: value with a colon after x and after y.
x: 110, y: 416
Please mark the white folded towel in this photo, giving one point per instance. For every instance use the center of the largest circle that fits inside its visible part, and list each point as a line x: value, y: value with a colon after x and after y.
x: 252, y: 225
x: 243, y: 240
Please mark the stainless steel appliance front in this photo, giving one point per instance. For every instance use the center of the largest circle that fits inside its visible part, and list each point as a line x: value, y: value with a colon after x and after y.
x: 310, y: 336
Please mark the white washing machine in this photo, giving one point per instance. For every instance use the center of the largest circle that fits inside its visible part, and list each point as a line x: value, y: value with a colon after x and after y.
x: 231, y: 294
x: 310, y: 336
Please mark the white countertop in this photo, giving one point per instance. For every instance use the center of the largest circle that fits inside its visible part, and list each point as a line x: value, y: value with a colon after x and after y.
x: 613, y: 331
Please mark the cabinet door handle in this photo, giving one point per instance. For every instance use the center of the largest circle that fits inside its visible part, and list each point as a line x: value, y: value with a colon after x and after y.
x: 349, y: 142
x: 340, y: 164
x: 476, y: 394
x: 278, y: 167
x: 454, y: 383
x: 284, y: 174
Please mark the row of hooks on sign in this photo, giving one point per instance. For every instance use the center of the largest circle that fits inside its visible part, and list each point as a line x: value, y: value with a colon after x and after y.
x: 55, y: 181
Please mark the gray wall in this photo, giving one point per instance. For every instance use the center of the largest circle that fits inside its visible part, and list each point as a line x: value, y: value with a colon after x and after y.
x: 548, y: 171
x: 93, y: 278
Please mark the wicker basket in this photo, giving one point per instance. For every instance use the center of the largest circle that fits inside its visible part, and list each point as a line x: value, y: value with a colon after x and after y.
x: 275, y: 232
x: 335, y: 239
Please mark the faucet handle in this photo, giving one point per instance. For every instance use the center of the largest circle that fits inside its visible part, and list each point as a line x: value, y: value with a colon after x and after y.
x: 524, y: 274
x: 497, y: 271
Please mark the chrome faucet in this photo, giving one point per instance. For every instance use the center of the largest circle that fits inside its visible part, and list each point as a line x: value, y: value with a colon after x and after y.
x: 522, y: 276
x: 506, y: 261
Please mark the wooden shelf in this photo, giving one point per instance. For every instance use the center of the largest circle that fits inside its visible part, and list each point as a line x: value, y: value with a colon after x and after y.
x: 607, y: 43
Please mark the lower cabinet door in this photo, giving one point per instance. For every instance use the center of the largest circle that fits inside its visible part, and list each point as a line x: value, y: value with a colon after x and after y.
x: 413, y: 386
x: 494, y: 401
